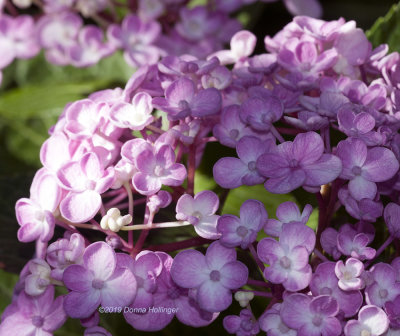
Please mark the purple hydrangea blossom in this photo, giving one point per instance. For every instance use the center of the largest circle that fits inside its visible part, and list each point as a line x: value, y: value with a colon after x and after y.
x: 287, y: 212
x: 40, y: 315
x: 213, y: 275
x: 392, y: 309
x: 354, y: 244
x: 261, y: 113
x: 36, y: 214
x: 242, y: 231
x: 243, y: 325
x: 136, y: 115
x: 298, y: 163
x: 271, y: 322
x: 39, y: 278
x: 384, y: 286
x: 325, y: 282
x: 176, y: 301
x: 100, y: 280
x: 200, y: 212
x: 311, y: 316
x: 182, y: 99
x: 232, y: 172
x: 371, y: 321
x: 348, y: 274
x: 363, y: 167
x: 288, y: 258
x: 392, y: 219
x: 329, y: 243
x: 137, y: 38
x: 65, y: 252
x: 86, y: 179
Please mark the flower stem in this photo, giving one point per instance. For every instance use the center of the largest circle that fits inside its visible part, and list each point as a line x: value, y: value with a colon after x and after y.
x: 191, y: 169
x: 256, y: 258
x: 154, y: 226
x: 169, y: 247
x: 381, y: 249
x: 277, y: 135
x: 253, y: 282
x: 130, y: 210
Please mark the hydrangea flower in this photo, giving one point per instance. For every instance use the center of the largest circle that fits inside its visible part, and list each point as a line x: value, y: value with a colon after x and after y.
x: 371, y: 321
x: 245, y: 324
x: 287, y: 212
x: 348, y: 274
x: 311, y: 316
x: 298, y: 163
x: 242, y: 231
x: 288, y: 258
x: 86, y: 179
x: 200, y: 212
x: 364, y: 167
x: 392, y: 219
x: 213, y: 275
x: 100, y: 280
x: 232, y: 172
x: 39, y: 315
x: 271, y: 322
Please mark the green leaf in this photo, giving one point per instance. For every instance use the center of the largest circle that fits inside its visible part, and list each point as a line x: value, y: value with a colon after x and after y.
x: 7, y: 283
x: 387, y: 29
x: 271, y: 201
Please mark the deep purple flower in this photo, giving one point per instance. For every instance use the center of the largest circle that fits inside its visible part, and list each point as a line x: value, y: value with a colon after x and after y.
x: 182, y: 99
x: 200, y: 212
x: 392, y: 219
x: 371, y: 321
x: 298, y: 163
x: 392, y: 309
x: 99, y: 280
x: 213, y: 275
x: 271, y: 322
x: 40, y: 315
x: 243, y: 325
x: 384, y: 287
x: 288, y: 258
x: 311, y: 316
x: 242, y: 231
x: 363, y: 167
x: 287, y: 212
x: 232, y: 172
x: 261, y: 113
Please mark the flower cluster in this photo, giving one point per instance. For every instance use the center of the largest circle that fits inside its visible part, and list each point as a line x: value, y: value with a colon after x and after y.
x: 146, y: 31
x: 317, y: 112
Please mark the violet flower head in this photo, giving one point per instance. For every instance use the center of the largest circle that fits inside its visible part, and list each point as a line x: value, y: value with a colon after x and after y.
x: 243, y: 325
x: 183, y: 99
x: 86, y: 179
x: 371, y: 321
x: 232, y: 172
x: 288, y: 258
x: 355, y: 245
x: 242, y: 231
x: 200, y: 212
x: 298, y: 163
x: 39, y: 278
x: 287, y: 212
x: 213, y: 275
x: 311, y: 316
x: 392, y: 219
x: 364, y: 167
x: 99, y: 280
x: 40, y: 315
